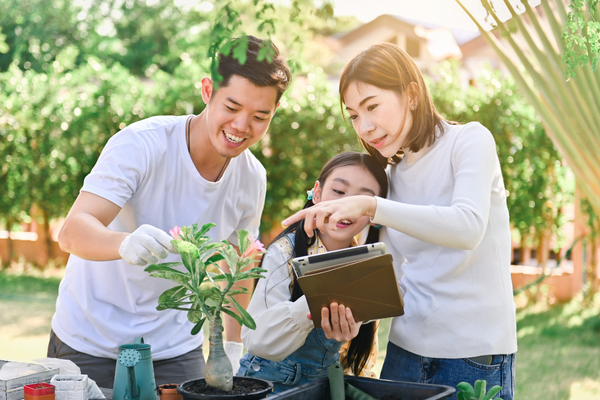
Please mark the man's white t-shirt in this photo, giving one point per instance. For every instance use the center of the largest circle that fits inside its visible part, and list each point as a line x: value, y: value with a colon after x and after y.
x: 147, y: 171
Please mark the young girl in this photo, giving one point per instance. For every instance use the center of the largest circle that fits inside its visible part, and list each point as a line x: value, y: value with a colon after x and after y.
x: 446, y: 225
x: 285, y: 347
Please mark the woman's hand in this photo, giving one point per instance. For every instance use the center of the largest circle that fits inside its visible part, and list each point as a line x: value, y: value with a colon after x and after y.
x: 331, y: 212
x: 342, y: 327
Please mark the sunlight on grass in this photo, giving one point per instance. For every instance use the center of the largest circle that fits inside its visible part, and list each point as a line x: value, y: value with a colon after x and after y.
x: 586, y: 389
x: 27, y: 303
x: 529, y: 330
x: 559, y: 351
x: 558, y: 357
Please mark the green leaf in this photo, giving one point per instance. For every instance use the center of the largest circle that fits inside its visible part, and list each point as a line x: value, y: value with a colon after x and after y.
x: 178, y: 277
x: 197, y: 327
x: 229, y: 277
x: 209, y: 250
x: 245, y: 316
x: 480, y: 389
x: 210, y: 297
x: 243, y: 240
x: 466, y: 388
x: 233, y: 315
x: 230, y: 254
x: 214, y: 277
x: 174, y: 294
x: 163, y: 267
x: 240, y: 48
x: 189, y: 255
x: 226, y: 49
x: 214, y: 259
x: 195, y: 316
x: 248, y: 275
x: 206, y: 227
x: 493, y: 391
x: 210, y: 278
x: 237, y: 290
x: 201, y: 241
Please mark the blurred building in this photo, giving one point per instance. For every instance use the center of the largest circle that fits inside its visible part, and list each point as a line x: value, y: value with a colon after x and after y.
x: 425, y: 42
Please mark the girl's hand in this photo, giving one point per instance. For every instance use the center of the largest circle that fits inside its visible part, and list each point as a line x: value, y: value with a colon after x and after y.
x: 342, y: 328
x: 331, y: 212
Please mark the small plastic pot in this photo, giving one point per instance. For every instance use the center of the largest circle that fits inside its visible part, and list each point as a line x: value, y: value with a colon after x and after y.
x: 168, y: 391
x: 39, y: 391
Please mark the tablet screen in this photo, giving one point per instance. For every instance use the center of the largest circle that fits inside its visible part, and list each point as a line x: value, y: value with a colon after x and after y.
x: 331, y: 258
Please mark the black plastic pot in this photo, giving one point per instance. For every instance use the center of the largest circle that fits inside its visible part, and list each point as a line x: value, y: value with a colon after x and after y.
x: 259, y: 394
x: 375, y: 387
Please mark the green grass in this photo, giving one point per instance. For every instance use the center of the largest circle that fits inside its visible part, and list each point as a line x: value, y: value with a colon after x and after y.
x: 27, y: 303
x: 559, y: 352
x: 558, y: 357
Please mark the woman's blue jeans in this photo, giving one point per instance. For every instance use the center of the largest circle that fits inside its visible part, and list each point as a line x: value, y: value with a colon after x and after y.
x: 402, y: 365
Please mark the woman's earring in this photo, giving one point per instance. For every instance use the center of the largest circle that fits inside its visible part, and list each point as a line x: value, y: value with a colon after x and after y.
x: 413, y: 107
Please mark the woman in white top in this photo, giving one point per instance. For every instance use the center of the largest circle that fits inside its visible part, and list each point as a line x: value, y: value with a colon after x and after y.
x: 285, y: 347
x: 446, y: 225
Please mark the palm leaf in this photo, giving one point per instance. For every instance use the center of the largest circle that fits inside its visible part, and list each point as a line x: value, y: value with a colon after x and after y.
x: 568, y: 108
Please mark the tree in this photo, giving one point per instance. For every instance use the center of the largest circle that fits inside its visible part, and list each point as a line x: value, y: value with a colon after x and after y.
x: 534, y: 176
x: 568, y: 107
x: 55, y: 125
x: 307, y: 130
x: 75, y: 73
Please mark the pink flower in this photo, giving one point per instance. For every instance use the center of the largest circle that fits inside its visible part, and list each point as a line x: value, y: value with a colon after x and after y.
x: 255, y: 246
x: 176, y: 233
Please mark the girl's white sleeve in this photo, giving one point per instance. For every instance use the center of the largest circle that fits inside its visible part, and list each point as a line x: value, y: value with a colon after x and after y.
x: 462, y: 224
x: 281, y: 325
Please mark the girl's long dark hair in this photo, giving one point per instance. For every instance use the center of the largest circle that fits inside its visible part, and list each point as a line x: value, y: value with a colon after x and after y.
x: 360, y: 347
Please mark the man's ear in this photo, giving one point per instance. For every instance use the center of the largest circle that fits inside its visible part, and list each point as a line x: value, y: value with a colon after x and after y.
x: 316, y: 193
x: 207, y: 90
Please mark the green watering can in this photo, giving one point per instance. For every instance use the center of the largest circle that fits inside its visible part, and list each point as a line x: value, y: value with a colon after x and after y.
x: 134, y: 375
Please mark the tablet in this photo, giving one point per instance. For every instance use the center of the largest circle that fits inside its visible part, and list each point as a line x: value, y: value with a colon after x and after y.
x: 309, y: 263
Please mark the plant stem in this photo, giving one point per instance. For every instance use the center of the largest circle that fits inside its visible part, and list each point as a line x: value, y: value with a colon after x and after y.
x: 218, y: 372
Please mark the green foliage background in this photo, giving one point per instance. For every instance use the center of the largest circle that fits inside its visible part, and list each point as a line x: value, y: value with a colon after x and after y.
x: 538, y: 184
x: 73, y: 76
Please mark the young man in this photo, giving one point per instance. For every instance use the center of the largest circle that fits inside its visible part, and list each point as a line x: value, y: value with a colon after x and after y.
x: 153, y: 175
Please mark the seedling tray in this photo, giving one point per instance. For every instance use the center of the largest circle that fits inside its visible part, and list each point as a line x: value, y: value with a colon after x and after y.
x: 378, y: 388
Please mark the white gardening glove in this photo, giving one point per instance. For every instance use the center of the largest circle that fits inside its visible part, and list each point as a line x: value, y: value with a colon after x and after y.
x: 234, y: 353
x: 146, y: 245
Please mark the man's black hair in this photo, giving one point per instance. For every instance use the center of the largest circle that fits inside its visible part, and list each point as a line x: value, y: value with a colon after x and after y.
x: 263, y: 73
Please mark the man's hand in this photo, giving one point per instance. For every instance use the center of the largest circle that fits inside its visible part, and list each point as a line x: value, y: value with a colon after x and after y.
x: 146, y: 245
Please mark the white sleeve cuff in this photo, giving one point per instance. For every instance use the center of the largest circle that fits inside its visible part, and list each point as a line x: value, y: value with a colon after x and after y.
x: 299, y: 309
x: 381, y: 211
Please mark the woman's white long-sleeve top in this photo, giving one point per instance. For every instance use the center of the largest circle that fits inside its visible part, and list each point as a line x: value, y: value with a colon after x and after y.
x: 281, y: 325
x: 447, y: 228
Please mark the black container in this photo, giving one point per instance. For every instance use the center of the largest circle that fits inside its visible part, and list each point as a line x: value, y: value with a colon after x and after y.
x: 188, y: 395
x: 377, y: 388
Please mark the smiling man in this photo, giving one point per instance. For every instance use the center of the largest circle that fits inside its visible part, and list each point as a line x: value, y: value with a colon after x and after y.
x: 155, y: 174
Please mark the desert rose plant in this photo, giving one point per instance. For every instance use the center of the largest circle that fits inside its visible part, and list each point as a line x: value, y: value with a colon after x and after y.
x: 199, y: 291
